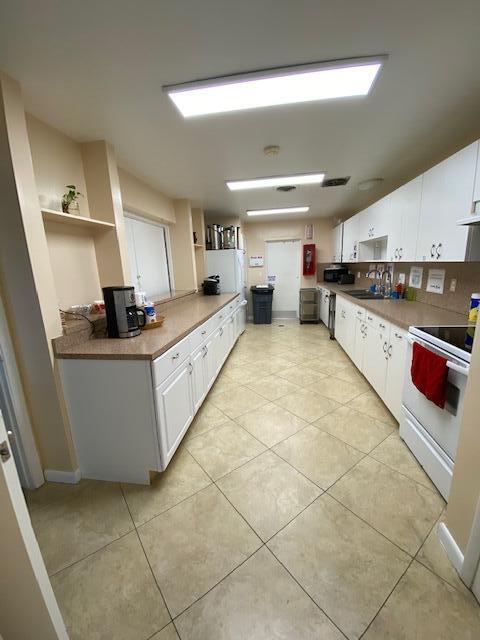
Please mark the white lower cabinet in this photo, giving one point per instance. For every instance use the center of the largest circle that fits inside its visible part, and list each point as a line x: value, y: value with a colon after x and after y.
x: 324, y: 296
x: 377, y: 348
x: 174, y: 408
x: 397, y: 354
x: 375, y: 359
x: 129, y: 416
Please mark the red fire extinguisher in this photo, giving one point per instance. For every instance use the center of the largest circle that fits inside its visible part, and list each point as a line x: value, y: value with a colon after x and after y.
x: 309, y: 259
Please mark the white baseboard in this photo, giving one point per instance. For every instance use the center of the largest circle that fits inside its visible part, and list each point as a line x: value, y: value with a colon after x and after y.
x: 67, y: 477
x: 453, y: 551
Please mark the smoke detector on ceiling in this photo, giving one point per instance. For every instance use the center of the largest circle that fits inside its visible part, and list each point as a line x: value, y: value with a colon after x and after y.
x: 367, y: 185
x: 271, y: 150
x: 286, y: 188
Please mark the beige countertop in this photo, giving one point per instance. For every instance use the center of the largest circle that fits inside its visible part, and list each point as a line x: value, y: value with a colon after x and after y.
x: 403, y: 313
x: 181, y: 317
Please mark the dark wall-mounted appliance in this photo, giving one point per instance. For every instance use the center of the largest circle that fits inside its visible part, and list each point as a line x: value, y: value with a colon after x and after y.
x: 124, y: 319
x: 333, y: 274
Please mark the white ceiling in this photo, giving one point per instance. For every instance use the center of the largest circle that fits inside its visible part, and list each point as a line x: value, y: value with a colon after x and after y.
x: 94, y: 69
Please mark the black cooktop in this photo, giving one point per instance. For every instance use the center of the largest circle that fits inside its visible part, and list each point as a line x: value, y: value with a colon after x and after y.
x: 460, y: 337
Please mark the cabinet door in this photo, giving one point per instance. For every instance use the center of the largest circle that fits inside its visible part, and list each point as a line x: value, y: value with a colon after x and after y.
x: 404, y: 218
x: 375, y: 359
x: 350, y: 239
x: 360, y: 339
x: 211, y: 361
x: 199, y: 377
x: 324, y: 305
x: 397, y: 356
x: 174, y: 410
x: 346, y: 336
x: 337, y: 243
x: 447, y: 193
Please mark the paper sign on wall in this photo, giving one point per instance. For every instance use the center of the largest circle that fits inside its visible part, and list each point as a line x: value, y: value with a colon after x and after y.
x: 436, y: 280
x: 271, y: 279
x: 416, y: 277
x: 256, y: 261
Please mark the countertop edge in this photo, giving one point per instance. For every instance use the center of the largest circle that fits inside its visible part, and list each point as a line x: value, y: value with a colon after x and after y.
x: 74, y: 355
x: 375, y: 306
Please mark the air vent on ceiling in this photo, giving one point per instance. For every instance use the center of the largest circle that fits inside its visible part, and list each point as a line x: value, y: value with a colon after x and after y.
x: 287, y: 187
x: 335, y: 182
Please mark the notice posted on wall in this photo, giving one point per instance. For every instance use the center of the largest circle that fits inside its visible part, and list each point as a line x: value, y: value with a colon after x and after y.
x: 436, y: 280
x: 271, y: 279
x: 416, y: 277
x: 256, y: 261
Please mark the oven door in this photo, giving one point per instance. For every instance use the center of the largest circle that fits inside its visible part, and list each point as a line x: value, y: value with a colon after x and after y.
x: 443, y: 425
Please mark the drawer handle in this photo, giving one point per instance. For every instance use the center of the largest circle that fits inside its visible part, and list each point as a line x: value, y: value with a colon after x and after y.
x: 221, y: 331
x: 369, y: 318
x: 382, y: 326
x: 389, y: 351
x: 203, y: 333
x: 176, y: 356
x: 205, y: 351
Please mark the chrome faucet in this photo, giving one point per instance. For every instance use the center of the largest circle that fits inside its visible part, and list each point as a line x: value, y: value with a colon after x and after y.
x: 385, y: 289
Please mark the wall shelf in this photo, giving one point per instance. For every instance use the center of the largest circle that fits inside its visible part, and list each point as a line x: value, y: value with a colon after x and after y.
x: 471, y: 220
x: 79, y: 221
x: 198, y: 246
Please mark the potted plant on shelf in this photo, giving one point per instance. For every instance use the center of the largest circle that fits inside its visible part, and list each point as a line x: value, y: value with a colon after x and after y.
x: 70, y: 200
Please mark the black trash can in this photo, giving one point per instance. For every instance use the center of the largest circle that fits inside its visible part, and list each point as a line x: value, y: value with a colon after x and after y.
x: 262, y: 298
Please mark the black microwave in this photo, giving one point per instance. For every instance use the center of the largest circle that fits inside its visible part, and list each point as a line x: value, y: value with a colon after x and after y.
x: 334, y: 274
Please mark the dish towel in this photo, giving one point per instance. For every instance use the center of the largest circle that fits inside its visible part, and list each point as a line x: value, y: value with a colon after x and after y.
x: 429, y: 374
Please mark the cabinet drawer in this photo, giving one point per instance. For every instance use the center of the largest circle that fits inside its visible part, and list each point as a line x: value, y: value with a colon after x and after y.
x: 377, y: 322
x: 201, y: 333
x: 359, y: 313
x: 219, y: 317
x: 166, y: 364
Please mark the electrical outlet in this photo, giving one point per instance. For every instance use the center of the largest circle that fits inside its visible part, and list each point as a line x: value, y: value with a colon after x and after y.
x: 401, y: 278
x: 359, y: 275
x: 453, y: 284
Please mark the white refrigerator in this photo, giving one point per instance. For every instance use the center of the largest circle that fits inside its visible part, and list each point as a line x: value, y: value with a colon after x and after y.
x: 229, y: 264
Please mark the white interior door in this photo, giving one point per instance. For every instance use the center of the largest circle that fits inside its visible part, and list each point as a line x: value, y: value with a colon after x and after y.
x: 283, y: 264
x: 147, y: 247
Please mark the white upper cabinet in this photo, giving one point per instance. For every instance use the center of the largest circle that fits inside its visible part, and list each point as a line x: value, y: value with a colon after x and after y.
x: 350, y: 239
x: 447, y: 195
x: 337, y: 243
x: 404, y: 216
x: 418, y: 221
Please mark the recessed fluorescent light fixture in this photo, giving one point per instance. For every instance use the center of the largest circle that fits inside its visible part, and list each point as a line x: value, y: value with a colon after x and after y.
x: 276, y: 181
x: 286, y: 85
x: 269, y: 212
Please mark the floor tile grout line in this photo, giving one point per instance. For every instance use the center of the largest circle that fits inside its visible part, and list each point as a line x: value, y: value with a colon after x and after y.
x: 89, y: 555
x: 217, y: 583
x: 306, y: 592
x: 344, y: 441
x: 387, y: 598
x: 395, y: 544
x: 148, y: 562
x: 390, y: 468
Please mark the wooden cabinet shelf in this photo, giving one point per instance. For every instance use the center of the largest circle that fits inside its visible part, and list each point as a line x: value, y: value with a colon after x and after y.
x: 79, y: 221
x: 198, y: 246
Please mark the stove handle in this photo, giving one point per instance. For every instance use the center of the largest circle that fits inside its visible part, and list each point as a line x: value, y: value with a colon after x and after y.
x: 451, y: 365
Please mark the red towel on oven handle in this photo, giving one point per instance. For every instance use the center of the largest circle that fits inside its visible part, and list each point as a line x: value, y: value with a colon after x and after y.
x: 429, y: 374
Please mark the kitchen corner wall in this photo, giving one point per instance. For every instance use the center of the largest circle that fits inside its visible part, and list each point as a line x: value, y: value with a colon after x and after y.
x: 467, y: 275
x: 256, y: 234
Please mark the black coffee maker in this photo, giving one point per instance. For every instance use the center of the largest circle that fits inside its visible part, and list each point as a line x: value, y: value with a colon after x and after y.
x: 124, y: 319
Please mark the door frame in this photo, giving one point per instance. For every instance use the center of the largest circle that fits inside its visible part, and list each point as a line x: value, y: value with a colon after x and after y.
x: 287, y: 239
x: 31, y: 471
x: 168, y: 243
x: 24, y: 584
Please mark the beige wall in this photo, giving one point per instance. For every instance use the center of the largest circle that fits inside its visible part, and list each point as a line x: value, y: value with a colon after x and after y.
x: 27, y: 284
x: 257, y: 233
x: 74, y: 264
x: 138, y: 197
x: 57, y: 161
x: 465, y: 490
x: 183, y: 255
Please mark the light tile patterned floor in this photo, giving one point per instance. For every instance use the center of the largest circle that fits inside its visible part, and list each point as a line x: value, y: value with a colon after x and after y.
x: 291, y: 510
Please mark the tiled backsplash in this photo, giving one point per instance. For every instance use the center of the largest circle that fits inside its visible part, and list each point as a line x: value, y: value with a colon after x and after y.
x: 467, y: 275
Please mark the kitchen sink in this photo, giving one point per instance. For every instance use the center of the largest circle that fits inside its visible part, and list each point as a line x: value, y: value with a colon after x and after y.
x: 365, y: 294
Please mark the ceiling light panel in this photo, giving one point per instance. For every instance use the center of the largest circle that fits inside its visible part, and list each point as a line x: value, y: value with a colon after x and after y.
x: 269, y: 212
x: 276, y: 181
x: 304, y: 83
